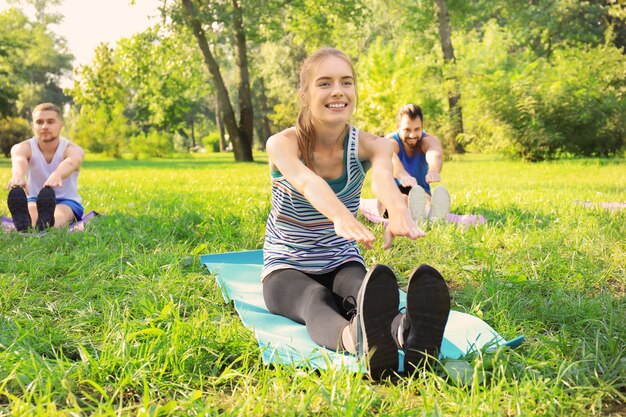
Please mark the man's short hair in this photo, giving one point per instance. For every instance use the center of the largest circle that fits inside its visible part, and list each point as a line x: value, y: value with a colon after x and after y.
x: 412, y: 110
x: 48, y: 107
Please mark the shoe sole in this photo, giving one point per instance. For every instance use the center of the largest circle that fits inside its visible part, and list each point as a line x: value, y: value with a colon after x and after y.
x: 377, y: 303
x: 428, y: 308
x: 417, y: 203
x: 439, y: 204
x: 18, y: 206
x: 46, y: 203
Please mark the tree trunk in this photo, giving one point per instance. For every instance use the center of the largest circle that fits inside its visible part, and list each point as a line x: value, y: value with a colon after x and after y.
x: 219, y: 122
x: 246, y: 111
x: 265, y: 132
x: 242, y: 145
x: 455, y: 112
x: 193, y: 133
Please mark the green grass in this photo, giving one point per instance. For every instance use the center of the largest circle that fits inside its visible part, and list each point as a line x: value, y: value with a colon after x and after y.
x: 123, y: 320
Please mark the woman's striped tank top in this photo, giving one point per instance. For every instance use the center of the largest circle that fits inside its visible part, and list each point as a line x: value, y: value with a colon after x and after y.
x: 298, y: 236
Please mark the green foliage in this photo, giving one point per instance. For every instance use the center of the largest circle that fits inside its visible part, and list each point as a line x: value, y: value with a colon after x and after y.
x: 509, y: 99
x: 150, y: 86
x: 281, y: 80
x: 318, y: 23
x: 584, y: 100
x: 485, y: 64
x: 100, y: 125
x: 102, y: 130
x: 537, y: 79
x: 151, y: 144
x: 304, y: 24
x: 99, y: 84
x: 12, y: 131
x: 32, y: 61
x: 393, y: 74
x: 43, y: 14
x: 566, y: 112
x: 540, y: 108
x: 122, y: 319
x: 212, y: 142
x: 542, y: 26
x: 166, y: 77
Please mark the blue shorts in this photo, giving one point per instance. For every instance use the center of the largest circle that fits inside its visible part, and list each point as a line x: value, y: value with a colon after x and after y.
x: 76, y: 207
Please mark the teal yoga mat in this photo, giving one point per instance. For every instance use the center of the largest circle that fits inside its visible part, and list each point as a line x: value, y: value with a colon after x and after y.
x: 283, y: 341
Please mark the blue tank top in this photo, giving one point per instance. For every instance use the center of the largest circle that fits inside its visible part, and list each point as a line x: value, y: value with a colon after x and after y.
x: 415, y: 165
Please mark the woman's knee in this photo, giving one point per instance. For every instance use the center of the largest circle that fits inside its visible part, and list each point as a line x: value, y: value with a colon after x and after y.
x: 318, y: 296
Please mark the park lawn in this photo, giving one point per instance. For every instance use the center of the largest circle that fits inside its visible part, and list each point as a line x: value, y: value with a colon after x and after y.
x: 124, y: 320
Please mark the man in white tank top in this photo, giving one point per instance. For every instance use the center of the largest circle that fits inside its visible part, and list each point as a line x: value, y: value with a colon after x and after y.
x: 44, y: 186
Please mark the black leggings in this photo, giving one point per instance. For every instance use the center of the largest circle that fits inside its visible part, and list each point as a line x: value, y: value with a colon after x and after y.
x: 321, y: 302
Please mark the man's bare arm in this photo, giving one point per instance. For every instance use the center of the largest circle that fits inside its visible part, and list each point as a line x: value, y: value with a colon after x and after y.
x: 73, y: 159
x: 20, y: 155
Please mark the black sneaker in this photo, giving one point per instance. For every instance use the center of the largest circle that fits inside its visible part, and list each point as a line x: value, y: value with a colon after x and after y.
x: 46, y: 203
x: 377, y: 305
x: 427, y: 310
x: 18, y: 206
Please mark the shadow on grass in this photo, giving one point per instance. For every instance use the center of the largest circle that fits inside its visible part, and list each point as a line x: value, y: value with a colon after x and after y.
x: 215, y: 230
x: 539, y: 307
x: 134, y: 273
x: 512, y: 216
x: 164, y: 164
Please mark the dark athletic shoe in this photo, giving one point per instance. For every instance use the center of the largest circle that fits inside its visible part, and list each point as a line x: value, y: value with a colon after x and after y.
x: 377, y: 305
x: 46, y: 203
x: 427, y: 310
x: 18, y: 206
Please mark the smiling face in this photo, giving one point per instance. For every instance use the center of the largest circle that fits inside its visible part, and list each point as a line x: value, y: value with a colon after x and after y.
x: 410, y: 131
x: 46, y: 125
x: 332, y: 92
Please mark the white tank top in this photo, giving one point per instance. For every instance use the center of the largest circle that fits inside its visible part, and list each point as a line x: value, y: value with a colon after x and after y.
x: 39, y: 170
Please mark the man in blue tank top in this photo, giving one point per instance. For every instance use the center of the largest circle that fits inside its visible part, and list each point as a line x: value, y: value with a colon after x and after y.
x: 44, y: 186
x: 417, y: 162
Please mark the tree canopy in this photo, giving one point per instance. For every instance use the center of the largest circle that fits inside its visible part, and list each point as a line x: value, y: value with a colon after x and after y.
x: 33, y: 59
x: 537, y: 79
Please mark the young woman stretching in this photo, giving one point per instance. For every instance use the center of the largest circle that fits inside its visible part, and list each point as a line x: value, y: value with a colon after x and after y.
x: 313, y: 272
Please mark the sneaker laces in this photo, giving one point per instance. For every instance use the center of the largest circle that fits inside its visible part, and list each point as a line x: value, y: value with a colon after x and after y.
x: 349, y: 304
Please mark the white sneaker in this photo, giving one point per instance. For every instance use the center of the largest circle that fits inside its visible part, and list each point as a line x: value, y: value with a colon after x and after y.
x: 417, y: 203
x: 439, y: 204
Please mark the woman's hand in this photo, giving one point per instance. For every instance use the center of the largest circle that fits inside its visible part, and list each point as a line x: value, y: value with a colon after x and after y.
x: 348, y: 227
x: 401, y: 225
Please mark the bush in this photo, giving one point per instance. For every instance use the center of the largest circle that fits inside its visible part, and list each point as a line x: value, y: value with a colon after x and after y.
x: 583, y: 96
x: 394, y: 74
x: 573, y: 104
x: 12, y: 131
x: 536, y: 108
x: 153, y: 143
x: 102, y: 130
x: 212, y: 141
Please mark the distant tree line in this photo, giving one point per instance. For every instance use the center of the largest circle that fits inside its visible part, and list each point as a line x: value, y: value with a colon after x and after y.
x: 537, y: 79
x: 32, y: 62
